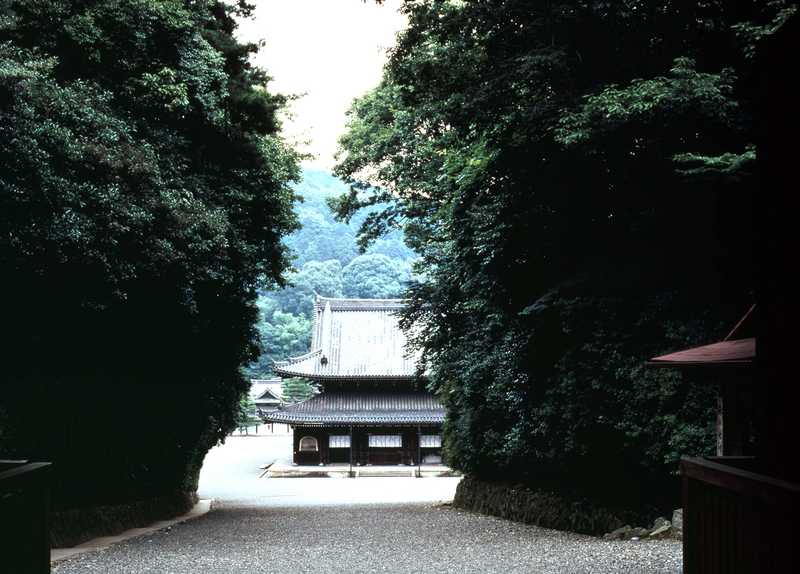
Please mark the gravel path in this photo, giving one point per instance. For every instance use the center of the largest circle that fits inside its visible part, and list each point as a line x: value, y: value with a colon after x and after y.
x: 288, y: 526
x: 382, y: 538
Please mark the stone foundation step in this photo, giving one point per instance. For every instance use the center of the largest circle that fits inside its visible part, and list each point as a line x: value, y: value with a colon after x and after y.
x: 378, y: 471
x: 278, y: 470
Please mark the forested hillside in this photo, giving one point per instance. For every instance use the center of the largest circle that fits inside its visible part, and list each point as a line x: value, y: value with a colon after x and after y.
x: 578, y: 179
x: 326, y: 262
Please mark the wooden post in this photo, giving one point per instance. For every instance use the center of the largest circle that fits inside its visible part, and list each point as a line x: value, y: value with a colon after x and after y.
x: 350, y: 473
x: 689, y: 558
x: 419, y: 451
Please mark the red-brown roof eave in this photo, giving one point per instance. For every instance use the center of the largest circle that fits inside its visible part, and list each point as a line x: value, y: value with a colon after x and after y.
x: 736, y: 353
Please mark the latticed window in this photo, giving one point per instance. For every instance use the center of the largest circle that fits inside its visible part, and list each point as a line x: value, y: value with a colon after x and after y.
x: 430, y: 441
x: 308, y: 443
x: 339, y: 441
x: 385, y: 441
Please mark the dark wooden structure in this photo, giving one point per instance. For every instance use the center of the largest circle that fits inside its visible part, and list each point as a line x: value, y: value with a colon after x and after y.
x: 739, y: 515
x: 24, y: 511
x: 736, y: 519
x: 371, y: 409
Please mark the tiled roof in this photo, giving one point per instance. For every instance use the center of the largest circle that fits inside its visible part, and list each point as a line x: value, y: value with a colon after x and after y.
x: 258, y: 386
x: 354, y: 339
x: 267, y: 397
x: 740, y: 352
x: 362, y: 408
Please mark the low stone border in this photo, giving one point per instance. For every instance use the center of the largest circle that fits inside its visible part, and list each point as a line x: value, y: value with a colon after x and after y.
x: 101, y: 543
x: 69, y: 528
x: 545, y: 509
x: 661, y: 528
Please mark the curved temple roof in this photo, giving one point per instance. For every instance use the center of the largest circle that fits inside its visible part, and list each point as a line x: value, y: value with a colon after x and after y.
x: 354, y: 339
x: 347, y: 408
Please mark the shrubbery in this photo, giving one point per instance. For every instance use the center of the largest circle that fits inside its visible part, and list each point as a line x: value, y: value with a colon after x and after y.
x: 578, y: 180
x: 144, y: 192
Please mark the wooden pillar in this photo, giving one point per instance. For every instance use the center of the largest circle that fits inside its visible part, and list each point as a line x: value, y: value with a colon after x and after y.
x: 720, y: 423
x: 419, y: 451
x: 350, y: 473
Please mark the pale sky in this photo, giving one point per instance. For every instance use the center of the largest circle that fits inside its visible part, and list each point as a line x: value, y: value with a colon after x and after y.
x: 330, y: 50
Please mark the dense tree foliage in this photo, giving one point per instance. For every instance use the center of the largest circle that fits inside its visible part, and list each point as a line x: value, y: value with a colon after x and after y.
x: 327, y: 263
x: 144, y: 192
x: 577, y: 179
x: 296, y: 390
x: 374, y: 276
x: 246, y: 414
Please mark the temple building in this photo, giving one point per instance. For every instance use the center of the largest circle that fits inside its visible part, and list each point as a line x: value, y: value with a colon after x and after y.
x: 266, y: 394
x: 372, y: 408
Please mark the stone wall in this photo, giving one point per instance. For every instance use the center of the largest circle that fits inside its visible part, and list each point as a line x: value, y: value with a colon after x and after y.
x: 71, y: 527
x: 545, y: 509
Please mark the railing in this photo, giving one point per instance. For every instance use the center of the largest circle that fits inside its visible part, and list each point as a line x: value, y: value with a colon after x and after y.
x: 24, y: 509
x: 736, y: 520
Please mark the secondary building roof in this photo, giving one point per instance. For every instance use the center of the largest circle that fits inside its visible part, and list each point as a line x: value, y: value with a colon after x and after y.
x: 267, y: 397
x: 354, y: 339
x: 258, y: 386
x: 362, y: 408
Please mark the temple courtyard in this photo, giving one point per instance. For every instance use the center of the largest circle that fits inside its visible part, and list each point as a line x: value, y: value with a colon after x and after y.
x: 368, y: 524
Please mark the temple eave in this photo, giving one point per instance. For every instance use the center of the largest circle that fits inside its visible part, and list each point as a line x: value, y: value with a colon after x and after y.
x: 356, y: 424
x: 323, y: 419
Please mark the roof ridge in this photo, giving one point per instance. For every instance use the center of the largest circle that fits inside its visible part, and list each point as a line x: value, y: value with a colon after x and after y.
x: 394, y: 299
x: 297, y: 359
x: 355, y: 338
x: 344, y: 304
x: 267, y: 391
